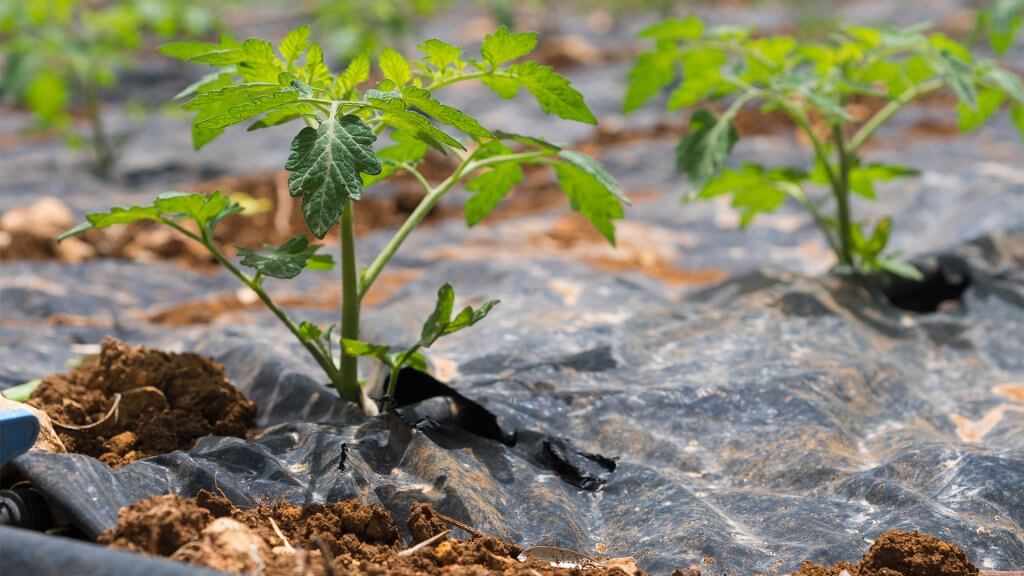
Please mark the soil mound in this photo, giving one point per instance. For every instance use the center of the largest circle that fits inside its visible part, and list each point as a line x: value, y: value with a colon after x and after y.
x: 897, y: 553
x: 318, y: 539
x: 131, y: 402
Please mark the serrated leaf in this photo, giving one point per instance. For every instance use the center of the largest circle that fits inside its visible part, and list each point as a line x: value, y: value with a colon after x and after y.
x: 315, y: 72
x: 591, y: 198
x: 594, y: 168
x: 553, y: 93
x: 490, y: 189
x: 1006, y: 81
x: 206, y: 210
x: 440, y: 54
x: 1002, y: 21
x: 532, y: 141
x: 754, y: 189
x: 112, y: 217
x: 283, y: 115
x: 988, y: 103
x: 653, y: 71
x: 702, y: 77
x: 504, y: 46
x: 406, y: 149
x: 421, y: 98
x: 959, y: 76
x: 503, y: 86
x: 294, y: 44
x: 702, y: 153
x: 325, y: 164
x: 187, y: 50
x: 395, y: 67
x: 440, y: 322
x: 287, y: 260
x: 360, y: 348
x: 690, y: 28
x: 255, y: 107
x: 419, y: 126
x: 862, y: 178
x: 234, y: 94
x: 357, y: 72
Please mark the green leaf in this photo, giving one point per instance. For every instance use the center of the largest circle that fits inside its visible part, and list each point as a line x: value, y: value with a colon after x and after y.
x: 255, y: 107
x: 959, y: 76
x: 357, y: 72
x: 490, y: 188
x: 421, y: 98
x: 702, y: 77
x: 286, y: 260
x: 553, y: 93
x: 690, y: 28
x: 1017, y: 116
x: 440, y: 323
x: 754, y: 189
x: 594, y: 168
x: 419, y: 126
x: 653, y: 71
x: 187, y: 50
x: 21, y: 392
x: 206, y: 210
x: 294, y: 44
x: 590, y: 197
x: 440, y: 54
x: 702, y: 153
x: 440, y: 318
x: 900, y: 269
x: 862, y: 178
x: 416, y: 361
x: 504, y: 46
x: 315, y: 72
x: 232, y: 95
x: 395, y: 67
x: 503, y: 86
x: 284, y: 114
x: 112, y: 217
x: 325, y: 164
x: 1002, y: 21
x: 532, y: 141
x: 360, y: 348
x: 1006, y: 81
x: 988, y: 103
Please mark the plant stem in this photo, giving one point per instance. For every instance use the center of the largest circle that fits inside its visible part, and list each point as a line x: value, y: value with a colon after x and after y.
x: 889, y: 110
x: 349, y: 387
x: 103, y: 153
x: 433, y: 196
x: 841, y: 189
x: 325, y: 363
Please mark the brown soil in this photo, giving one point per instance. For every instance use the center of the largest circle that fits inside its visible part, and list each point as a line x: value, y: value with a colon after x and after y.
x: 167, y: 401
x: 897, y: 553
x: 318, y: 539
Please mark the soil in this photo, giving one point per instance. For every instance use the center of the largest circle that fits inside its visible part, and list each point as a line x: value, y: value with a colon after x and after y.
x: 319, y: 539
x: 897, y: 553
x: 166, y: 402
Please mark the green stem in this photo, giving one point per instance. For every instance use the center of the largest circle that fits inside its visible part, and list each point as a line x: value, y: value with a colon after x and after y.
x: 103, y: 153
x: 887, y: 111
x: 254, y: 284
x: 842, y: 193
x: 797, y: 193
x: 463, y: 77
x: 349, y: 389
x: 433, y: 196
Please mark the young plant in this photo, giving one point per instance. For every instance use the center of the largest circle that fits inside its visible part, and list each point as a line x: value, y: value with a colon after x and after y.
x: 813, y: 84
x: 332, y: 160
x: 58, y: 49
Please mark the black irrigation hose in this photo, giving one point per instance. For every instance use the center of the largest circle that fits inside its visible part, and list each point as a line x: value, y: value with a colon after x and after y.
x: 24, y: 507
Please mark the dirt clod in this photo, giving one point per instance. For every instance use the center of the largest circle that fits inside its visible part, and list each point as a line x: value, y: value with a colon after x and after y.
x: 897, y: 553
x: 169, y: 401
x: 424, y: 523
x: 354, y: 538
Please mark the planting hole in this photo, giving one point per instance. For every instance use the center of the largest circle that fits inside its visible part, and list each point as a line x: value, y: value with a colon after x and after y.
x: 945, y: 280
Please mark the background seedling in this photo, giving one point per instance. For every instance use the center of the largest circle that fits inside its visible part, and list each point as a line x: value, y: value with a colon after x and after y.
x: 332, y: 160
x: 812, y: 83
x: 63, y: 56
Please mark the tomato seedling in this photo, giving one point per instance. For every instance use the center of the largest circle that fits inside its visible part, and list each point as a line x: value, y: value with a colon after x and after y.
x: 56, y: 50
x: 814, y: 84
x: 332, y: 160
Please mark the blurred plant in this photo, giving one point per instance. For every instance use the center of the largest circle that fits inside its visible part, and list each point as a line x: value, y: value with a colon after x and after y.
x: 811, y: 83
x: 62, y: 56
x: 1000, y: 22
x: 332, y: 159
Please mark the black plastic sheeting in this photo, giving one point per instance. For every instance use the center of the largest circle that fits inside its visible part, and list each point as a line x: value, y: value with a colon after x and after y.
x: 760, y: 422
